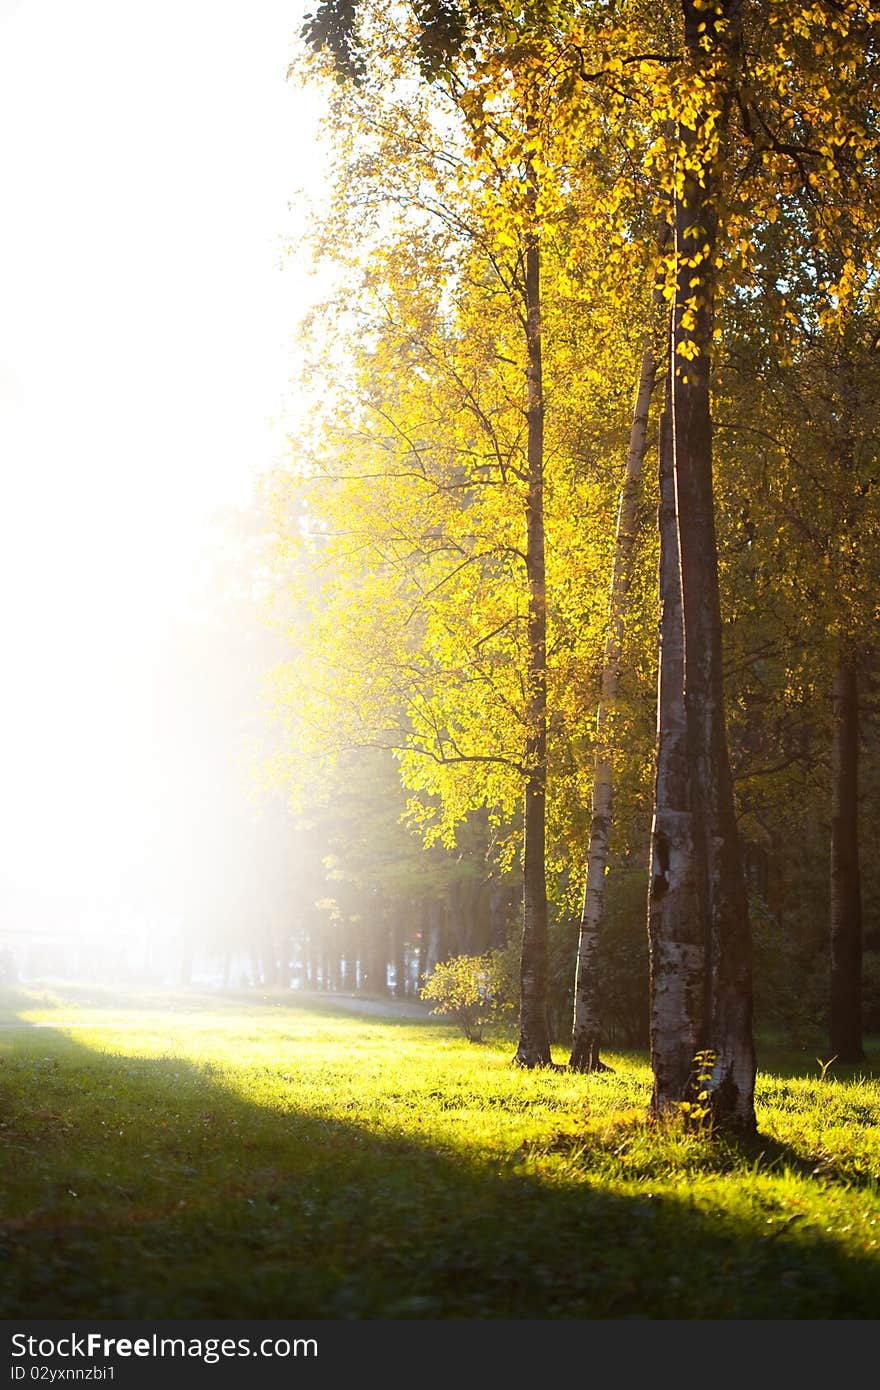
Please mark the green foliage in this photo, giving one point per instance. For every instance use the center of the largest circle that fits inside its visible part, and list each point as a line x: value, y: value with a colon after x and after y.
x: 697, y: 1112
x: 404, y: 499
x: 333, y: 26
x: 474, y: 990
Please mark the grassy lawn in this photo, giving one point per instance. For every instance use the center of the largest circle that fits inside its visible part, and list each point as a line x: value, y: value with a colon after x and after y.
x: 204, y: 1156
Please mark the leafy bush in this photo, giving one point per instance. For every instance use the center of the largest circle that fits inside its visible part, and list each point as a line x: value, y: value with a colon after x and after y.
x: 475, y: 990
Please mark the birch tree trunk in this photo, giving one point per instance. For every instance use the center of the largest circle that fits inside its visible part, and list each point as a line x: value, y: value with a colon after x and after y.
x: 727, y: 1033
x: 586, y: 1029
x: 846, y: 898
x: 675, y: 929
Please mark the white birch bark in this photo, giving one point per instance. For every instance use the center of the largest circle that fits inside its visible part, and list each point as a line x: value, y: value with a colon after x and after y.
x: 587, y: 1021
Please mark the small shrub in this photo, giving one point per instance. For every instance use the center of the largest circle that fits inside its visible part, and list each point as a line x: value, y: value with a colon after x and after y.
x: 697, y: 1112
x: 474, y: 990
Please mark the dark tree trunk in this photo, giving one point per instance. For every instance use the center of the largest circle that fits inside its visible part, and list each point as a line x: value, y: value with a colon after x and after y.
x: 376, y: 975
x: 534, y: 1032
x: 422, y: 955
x: 675, y: 930
x: 331, y: 959
x: 727, y: 1033
x: 475, y: 928
x: 346, y: 961
x: 399, y: 948
x: 435, y: 943
x: 284, y: 951
x: 499, y: 910
x: 846, y: 897
x: 455, y: 926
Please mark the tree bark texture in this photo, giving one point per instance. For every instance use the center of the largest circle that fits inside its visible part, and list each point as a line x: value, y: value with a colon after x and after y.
x: 675, y: 931
x: 534, y: 1033
x: 586, y: 1029
x: 846, y: 898
x: 726, y: 1034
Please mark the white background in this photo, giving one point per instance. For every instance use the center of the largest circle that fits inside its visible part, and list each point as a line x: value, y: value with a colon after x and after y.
x: 149, y: 157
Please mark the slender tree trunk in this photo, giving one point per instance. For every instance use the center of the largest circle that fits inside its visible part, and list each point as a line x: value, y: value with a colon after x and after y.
x: 497, y: 917
x: 474, y: 920
x: 346, y: 965
x: 284, y: 960
x: 332, y: 957
x: 675, y: 932
x: 727, y: 1033
x: 378, y: 958
x: 399, y: 949
x: 846, y: 897
x: 422, y: 950
x: 586, y: 1029
x: 435, y: 944
x: 452, y: 920
x: 534, y: 1032
x: 339, y: 956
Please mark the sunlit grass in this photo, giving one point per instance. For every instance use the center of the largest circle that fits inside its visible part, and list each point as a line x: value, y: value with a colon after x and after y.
x: 211, y: 1156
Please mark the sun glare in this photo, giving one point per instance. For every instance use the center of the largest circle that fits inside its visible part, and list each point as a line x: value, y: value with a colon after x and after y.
x: 153, y: 181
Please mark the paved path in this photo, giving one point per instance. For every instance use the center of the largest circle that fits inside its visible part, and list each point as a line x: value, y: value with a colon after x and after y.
x: 357, y: 1004
x: 178, y: 1012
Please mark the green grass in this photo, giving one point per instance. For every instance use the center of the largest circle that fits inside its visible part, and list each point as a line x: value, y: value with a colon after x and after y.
x: 208, y: 1156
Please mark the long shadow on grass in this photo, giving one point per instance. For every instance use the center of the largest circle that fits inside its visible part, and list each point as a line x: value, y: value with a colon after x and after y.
x: 141, y: 1187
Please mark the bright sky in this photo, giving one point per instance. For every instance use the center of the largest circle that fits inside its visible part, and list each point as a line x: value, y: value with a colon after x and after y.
x: 147, y: 335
